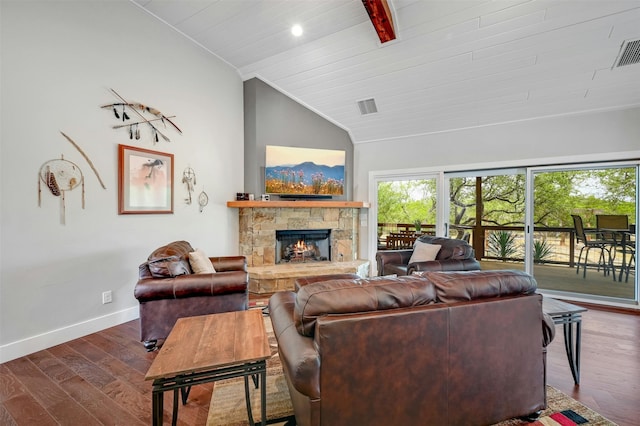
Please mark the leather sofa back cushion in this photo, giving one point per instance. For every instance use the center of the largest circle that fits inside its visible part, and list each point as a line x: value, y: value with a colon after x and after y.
x: 362, y: 295
x: 456, y: 286
x: 170, y: 260
x: 451, y: 248
x: 422, y: 288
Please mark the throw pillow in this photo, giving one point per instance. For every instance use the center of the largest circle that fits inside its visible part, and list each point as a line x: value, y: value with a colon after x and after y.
x: 200, y: 263
x: 423, y: 252
x: 170, y: 266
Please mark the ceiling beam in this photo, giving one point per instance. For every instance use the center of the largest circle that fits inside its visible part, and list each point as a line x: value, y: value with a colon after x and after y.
x: 380, y: 15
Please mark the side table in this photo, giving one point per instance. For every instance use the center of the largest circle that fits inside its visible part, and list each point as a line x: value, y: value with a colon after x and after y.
x: 569, y: 316
x: 209, y: 348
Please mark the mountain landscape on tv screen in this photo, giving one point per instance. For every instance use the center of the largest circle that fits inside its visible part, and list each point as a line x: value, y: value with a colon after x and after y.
x: 305, y: 178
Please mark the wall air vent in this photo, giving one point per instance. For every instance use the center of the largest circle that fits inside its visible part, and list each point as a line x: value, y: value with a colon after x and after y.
x: 367, y: 106
x: 629, y: 53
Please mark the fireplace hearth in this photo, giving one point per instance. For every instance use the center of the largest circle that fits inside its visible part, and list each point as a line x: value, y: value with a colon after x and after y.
x: 303, y: 245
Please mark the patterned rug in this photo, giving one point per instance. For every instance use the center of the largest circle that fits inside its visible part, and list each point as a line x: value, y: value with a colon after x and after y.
x: 228, y: 406
x: 563, y: 410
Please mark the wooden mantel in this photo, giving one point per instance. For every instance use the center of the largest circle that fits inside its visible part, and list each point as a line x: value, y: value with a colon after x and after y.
x: 298, y: 204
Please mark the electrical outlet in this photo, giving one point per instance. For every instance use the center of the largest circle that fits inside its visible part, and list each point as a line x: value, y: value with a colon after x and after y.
x: 106, y: 297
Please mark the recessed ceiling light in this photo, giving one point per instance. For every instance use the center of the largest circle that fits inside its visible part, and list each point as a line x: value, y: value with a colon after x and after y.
x: 296, y: 30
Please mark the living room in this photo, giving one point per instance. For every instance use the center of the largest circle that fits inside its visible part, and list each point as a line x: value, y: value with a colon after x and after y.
x: 59, y: 61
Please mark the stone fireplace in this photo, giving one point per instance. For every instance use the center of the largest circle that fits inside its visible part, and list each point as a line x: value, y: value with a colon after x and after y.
x: 260, y: 221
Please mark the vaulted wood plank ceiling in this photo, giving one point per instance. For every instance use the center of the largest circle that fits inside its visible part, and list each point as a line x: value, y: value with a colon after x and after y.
x: 453, y: 64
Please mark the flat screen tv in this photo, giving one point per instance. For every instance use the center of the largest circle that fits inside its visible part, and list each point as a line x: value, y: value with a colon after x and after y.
x: 304, y: 172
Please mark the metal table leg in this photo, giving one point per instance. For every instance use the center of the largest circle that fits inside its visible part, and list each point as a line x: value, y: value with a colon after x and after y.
x: 572, y: 346
x: 260, y: 380
x: 158, y: 407
x: 567, y: 314
x: 247, y: 398
x: 174, y: 417
x: 263, y: 397
x: 181, y: 385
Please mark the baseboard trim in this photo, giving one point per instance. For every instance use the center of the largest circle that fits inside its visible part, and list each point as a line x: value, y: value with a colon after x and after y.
x: 46, y: 340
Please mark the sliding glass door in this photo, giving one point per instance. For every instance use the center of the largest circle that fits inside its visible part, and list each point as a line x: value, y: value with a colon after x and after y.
x: 406, y: 209
x: 584, y: 234
x: 487, y: 208
x: 530, y: 219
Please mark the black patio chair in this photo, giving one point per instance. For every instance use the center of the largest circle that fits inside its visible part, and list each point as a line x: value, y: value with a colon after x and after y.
x: 591, y: 240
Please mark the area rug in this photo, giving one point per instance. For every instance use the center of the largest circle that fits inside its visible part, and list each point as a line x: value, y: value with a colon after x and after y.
x: 563, y: 410
x: 228, y: 406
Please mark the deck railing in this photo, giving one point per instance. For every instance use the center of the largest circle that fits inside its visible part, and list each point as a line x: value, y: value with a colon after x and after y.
x: 561, y: 240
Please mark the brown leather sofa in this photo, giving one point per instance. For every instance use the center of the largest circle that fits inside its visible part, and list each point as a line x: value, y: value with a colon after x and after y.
x: 454, y: 255
x: 167, y: 289
x: 436, y: 348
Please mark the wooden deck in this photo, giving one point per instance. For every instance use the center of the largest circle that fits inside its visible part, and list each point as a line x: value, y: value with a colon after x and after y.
x: 562, y: 278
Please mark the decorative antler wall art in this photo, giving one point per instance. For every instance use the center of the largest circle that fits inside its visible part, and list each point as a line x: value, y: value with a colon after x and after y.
x: 120, y: 112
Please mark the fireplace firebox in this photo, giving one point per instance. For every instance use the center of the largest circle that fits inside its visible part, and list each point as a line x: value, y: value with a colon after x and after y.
x: 303, y: 245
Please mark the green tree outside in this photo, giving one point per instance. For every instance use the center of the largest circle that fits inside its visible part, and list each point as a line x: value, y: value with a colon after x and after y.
x: 557, y: 196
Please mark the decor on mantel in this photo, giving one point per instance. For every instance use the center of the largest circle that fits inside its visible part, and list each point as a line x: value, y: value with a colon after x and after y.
x: 60, y: 176
x: 145, y: 181
x: 120, y: 112
x: 189, y: 179
x: 299, y: 204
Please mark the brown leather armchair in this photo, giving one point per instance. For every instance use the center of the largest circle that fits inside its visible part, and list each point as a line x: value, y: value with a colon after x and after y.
x: 454, y: 255
x: 167, y: 289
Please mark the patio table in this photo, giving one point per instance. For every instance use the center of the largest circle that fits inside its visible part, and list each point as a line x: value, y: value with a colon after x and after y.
x: 621, y: 239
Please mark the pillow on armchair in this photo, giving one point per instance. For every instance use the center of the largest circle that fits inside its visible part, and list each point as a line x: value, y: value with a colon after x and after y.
x: 169, y: 261
x: 170, y: 266
x: 423, y: 252
x: 200, y: 263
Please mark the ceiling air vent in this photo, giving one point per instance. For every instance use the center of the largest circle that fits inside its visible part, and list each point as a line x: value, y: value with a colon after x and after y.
x: 629, y: 53
x: 367, y: 106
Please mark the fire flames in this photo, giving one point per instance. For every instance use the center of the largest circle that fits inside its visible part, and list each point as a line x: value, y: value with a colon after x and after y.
x: 301, y: 247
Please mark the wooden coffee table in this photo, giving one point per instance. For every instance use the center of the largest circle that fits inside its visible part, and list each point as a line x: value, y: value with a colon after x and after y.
x: 209, y: 348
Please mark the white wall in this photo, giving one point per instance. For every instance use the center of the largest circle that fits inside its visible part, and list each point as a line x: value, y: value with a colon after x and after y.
x: 585, y: 137
x: 59, y: 58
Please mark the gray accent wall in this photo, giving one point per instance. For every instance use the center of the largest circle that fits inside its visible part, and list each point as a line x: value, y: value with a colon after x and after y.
x: 272, y: 118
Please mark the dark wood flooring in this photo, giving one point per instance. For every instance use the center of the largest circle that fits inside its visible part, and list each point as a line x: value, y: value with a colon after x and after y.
x: 99, y: 379
x: 610, y: 364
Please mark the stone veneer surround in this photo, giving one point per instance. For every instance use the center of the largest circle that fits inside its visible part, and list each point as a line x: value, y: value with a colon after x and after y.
x: 259, y: 221
x: 258, y: 230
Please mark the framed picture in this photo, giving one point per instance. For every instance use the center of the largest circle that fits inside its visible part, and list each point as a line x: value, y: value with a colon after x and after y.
x: 145, y: 181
